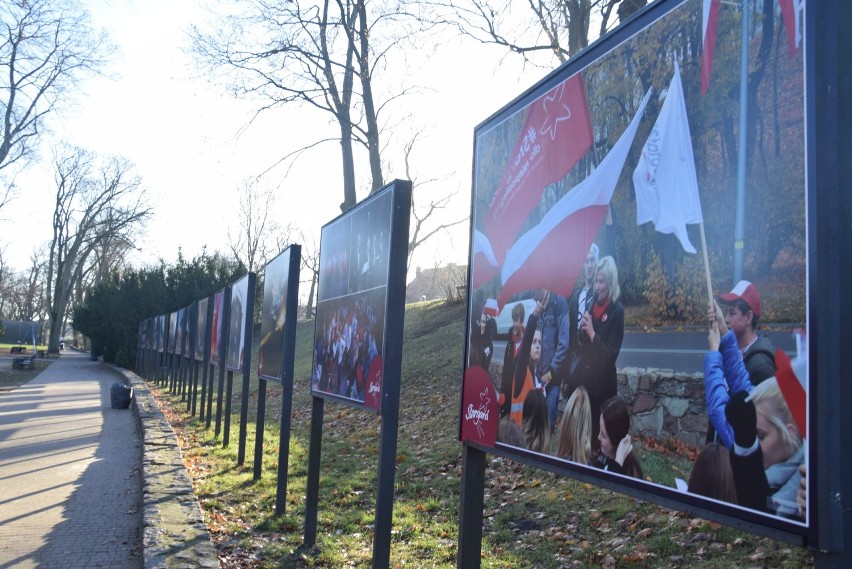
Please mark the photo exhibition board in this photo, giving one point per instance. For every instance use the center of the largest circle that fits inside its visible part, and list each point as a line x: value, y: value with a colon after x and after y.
x: 594, y: 194
x: 240, y: 312
x: 273, y: 316
x: 216, y: 326
x: 173, y: 319
x: 160, y: 332
x: 201, y: 329
x: 352, y: 302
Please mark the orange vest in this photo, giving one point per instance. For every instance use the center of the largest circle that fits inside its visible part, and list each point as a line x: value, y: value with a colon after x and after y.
x: 517, y: 410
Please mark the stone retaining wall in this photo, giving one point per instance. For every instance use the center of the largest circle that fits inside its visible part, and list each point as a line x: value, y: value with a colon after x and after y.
x: 665, y: 404
x: 174, y: 533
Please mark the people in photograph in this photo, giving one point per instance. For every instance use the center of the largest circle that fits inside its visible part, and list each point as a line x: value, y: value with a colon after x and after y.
x: 768, y: 451
x: 349, y: 341
x: 712, y: 475
x: 510, y: 355
x: 582, y: 298
x: 553, y: 323
x: 756, y: 424
x: 616, y: 447
x: 575, y: 433
x: 483, y: 332
x: 526, y: 366
x: 740, y: 310
x: 534, y: 422
x: 508, y: 432
x: 599, y: 342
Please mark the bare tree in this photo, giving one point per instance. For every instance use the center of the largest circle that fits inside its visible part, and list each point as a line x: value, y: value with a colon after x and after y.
x: 422, y: 227
x: 22, y: 293
x: 310, y: 267
x: 251, y: 242
x: 45, y: 48
x: 320, y: 54
x: 559, y: 28
x: 94, y: 203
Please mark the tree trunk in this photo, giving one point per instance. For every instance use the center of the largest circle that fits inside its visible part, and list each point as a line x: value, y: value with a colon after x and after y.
x: 367, y: 96
x: 348, y: 164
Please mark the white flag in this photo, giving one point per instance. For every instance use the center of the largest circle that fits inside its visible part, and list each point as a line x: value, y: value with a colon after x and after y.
x: 665, y: 181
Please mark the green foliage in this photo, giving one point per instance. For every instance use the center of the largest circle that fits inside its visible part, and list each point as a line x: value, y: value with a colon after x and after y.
x: 112, y: 311
x: 682, y: 298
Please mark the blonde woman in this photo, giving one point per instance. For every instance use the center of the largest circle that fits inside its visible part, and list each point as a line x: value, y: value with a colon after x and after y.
x: 575, y: 437
x: 601, y: 334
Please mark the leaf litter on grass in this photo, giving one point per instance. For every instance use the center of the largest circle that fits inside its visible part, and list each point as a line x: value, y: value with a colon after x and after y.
x: 531, y: 518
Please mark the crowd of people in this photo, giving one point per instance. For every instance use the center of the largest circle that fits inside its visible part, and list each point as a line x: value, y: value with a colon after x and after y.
x: 558, y: 392
x: 567, y: 349
x: 346, y: 346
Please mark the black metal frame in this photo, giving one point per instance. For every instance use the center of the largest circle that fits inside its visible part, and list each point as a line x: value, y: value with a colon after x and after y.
x: 828, y: 83
x: 389, y: 408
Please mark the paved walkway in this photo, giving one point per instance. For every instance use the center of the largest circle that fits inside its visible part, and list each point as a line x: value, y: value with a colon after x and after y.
x: 70, y: 476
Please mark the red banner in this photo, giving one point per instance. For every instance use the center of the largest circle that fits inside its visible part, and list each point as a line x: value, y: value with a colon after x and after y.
x: 557, y: 132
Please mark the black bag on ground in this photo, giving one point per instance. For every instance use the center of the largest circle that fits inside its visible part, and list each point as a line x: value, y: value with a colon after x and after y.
x: 120, y: 395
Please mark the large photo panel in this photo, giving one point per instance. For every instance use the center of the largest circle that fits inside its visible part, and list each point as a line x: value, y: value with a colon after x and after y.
x: 607, y: 239
x: 241, y: 311
x: 201, y: 329
x: 273, y: 317
x: 352, y: 302
x: 217, y: 325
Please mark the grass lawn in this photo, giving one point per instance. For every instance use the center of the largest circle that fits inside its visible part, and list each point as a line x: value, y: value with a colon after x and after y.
x: 532, y: 518
x: 12, y: 378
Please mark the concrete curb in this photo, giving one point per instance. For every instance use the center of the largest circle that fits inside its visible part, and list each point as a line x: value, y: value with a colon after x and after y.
x: 174, y: 533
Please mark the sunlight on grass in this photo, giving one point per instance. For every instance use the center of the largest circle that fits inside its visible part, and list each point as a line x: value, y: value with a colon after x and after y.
x: 531, y: 518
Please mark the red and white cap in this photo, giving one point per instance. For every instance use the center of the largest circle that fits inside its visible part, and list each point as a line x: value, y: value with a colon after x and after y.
x: 746, y: 291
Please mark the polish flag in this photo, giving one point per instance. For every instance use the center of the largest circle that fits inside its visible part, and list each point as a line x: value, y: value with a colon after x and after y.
x: 484, y: 265
x: 551, y: 254
x: 665, y: 181
x: 790, y: 12
x: 709, y: 20
x: 556, y: 133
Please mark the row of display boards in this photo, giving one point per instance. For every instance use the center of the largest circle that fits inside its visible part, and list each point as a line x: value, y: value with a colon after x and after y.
x: 550, y: 179
x: 196, y: 350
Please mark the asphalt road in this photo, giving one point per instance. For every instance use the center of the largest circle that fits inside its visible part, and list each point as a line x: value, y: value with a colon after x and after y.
x: 678, y: 350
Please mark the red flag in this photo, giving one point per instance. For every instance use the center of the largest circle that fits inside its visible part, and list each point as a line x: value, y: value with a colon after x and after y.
x: 557, y: 132
x: 791, y: 377
x: 551, y: 254
x: 709, y: 21
x: 790, y: 10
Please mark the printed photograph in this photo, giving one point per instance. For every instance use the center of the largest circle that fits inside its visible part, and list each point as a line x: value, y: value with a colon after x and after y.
x: 216, y: 326
x: 173, y: 320
x: 240, y: 311
x: 273, y: 316
x: 348, y: 338
x: 637, y: 298
x: 201, y: 329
